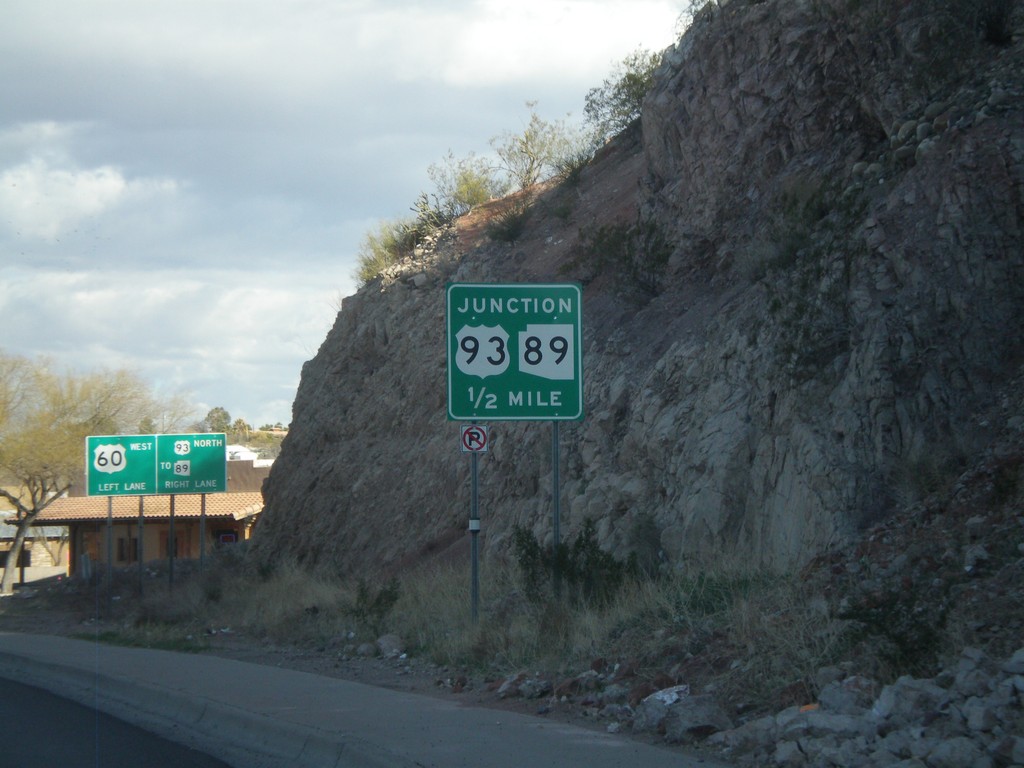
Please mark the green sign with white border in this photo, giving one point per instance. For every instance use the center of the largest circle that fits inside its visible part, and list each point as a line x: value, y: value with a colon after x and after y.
x: 515, y: 352
x: 143, y: 465
x: 120, y: 465
x: 195, y: 463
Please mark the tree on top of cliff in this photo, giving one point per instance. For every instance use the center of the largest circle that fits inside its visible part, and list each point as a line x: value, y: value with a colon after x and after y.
x: 462, y: 183
x: 539, y: 151
x: 612, y: 107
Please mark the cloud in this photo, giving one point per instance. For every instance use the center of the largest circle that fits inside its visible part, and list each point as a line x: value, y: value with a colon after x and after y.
x: 184, y: 184
x: 46, y: 195
x: 510, y: 41
x: 226, y: 338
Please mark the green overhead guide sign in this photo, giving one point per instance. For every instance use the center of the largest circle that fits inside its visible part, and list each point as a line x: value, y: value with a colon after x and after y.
x: 142, y: 465
x: 515, y: 352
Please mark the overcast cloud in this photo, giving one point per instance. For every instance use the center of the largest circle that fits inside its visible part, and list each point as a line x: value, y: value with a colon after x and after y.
x: 184, y: 185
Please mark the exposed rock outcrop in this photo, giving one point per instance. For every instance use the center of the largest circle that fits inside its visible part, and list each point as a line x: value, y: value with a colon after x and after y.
x: 822, y: 287
x: 968, y: 715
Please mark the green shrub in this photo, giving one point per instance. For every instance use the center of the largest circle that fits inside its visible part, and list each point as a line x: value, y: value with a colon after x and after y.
x: 394, y: 240
x: 387, y: 246
x: 463, y: 183
x: 615, y: 105
x: 430, y: 216
x: 645, y: 544
x: 164, y: 638
x: 591, y: 575
x: 372, y: 606
x: 510, y: 221
x: 569, y: 167
x: 904, y: 629
x: 995, y: 18
x: 540, y: 151
x: 640, y: 251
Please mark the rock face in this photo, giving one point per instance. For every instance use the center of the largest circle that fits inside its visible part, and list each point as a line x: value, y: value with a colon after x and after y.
x: 820, y: 292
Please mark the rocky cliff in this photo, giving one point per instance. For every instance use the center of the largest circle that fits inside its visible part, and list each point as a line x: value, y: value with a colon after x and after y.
x: 803, y: 296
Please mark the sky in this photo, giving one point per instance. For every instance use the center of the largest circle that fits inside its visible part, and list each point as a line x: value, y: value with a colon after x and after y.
x: 185, y: 184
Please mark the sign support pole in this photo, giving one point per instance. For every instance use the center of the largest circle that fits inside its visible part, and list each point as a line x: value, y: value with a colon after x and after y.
x: 171, y: 546
x: 109, y: 576
x: 202, y: 534
x: 474, y: 533
x: 555, y: 511
x: 139, y: 545
x: 21, y: 560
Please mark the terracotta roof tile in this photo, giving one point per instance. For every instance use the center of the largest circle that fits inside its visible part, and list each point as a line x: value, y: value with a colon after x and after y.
x: 94, y: 508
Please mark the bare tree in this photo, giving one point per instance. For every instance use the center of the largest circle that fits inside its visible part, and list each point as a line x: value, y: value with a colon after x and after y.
x: 45, y: 417
x: 535, y: 154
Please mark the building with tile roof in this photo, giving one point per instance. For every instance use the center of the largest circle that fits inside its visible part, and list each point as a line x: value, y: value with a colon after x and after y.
x: 136, y: 529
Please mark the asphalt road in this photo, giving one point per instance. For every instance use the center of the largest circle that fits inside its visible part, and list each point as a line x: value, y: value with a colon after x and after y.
x: 254, y: 716
x: 42, y: 730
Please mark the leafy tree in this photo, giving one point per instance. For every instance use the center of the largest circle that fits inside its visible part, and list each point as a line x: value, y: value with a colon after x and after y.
x: 217, y: 420
x: 537, y: 152
x: 45, y: 417
x: 612, y: 107
x: 241, y: 429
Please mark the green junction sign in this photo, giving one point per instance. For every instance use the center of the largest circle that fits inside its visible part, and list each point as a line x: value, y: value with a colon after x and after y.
x: 515, y: 352
x: 142, y: 465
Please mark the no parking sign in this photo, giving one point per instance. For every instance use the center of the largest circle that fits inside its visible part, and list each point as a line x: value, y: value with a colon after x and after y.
x: 473, y: 438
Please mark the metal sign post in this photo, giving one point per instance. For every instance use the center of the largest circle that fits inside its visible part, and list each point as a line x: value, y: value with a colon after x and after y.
x: 474, y: 441
x: 202, y: 534
x: 139, y: 547
x: 109, y: 576
x: 171, y: 546
x: 556, y: 512
x: 515, y: 353
x: 474, y: 545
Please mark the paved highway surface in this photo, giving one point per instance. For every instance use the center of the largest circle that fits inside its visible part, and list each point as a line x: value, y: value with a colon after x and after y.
x: 255, y: 716
x: 42, y: 730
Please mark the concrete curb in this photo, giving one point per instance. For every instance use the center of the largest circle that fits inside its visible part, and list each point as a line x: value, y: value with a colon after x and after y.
x: 235, y: 735
x: 254, y: 716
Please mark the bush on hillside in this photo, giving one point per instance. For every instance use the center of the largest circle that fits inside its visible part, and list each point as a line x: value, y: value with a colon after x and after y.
x: 592, y: 575
x: 396, y: 239
x: 615, y: 105
x: 539, y: 151
x: 382, y: 248
x: 462, y: 183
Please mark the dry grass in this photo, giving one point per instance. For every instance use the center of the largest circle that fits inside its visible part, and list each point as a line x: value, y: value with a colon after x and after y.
x: 746, y: 635
x: 290, y: 606
x: 752, y: 634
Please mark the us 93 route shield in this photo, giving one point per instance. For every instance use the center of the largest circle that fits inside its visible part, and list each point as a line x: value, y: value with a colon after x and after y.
x: 515, y: 352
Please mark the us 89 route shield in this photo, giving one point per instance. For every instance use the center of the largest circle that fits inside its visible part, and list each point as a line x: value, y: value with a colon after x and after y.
x: 514, y: 352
